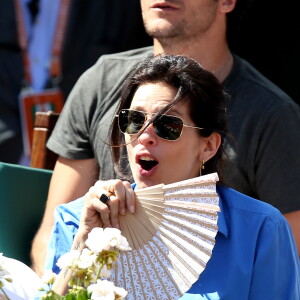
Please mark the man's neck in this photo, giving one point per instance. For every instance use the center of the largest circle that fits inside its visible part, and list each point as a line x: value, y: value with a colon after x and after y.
x: 211, y: 51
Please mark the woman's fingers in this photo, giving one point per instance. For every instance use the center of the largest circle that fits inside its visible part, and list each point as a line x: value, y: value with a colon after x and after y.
x: 94, y: 211
x: 120, y: 197
x: 117, y: 201
x: 130, y: 197
x: 103, y: 210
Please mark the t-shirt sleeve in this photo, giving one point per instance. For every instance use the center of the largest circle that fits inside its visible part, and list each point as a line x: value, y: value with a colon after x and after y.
x: 71, y: 135
x: 276, y: 269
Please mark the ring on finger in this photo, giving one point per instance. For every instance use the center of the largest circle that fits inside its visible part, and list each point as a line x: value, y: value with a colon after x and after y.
x: 104, y: 198
x: 110, y: 191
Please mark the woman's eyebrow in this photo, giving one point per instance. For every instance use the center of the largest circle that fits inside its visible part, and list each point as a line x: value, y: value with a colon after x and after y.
x: 174, y: 111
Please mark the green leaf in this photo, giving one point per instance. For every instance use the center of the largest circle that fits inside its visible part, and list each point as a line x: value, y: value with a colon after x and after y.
x: 83, y: 295
x: 69, y: 297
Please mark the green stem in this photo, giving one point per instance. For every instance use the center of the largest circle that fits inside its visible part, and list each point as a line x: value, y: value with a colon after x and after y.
x: 4, y: 293
x: 98, y: 273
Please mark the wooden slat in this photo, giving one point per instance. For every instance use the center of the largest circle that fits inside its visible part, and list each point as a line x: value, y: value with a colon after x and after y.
x: 41, y: 157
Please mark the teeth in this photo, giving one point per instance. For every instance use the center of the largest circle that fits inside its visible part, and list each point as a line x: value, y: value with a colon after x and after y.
x: 147, y: 158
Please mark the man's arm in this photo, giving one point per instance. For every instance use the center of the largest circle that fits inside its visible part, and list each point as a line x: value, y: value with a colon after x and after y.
x: 294, y: 220
x: 71, y: 179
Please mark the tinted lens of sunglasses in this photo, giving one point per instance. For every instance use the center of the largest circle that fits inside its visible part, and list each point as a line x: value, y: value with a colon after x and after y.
x: 166, y: 127
x: 131, y: 121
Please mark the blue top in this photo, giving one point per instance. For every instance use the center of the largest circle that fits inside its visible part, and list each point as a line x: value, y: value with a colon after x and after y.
x: 254, y: 257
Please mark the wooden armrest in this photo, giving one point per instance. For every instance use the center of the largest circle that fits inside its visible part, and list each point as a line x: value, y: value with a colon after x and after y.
x: 41, y: 157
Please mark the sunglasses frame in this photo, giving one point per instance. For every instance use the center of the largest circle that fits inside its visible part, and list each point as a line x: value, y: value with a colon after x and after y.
x: 145, y: 114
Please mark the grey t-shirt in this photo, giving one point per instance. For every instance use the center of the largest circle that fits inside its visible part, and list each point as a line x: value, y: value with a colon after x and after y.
x: 263, y: 159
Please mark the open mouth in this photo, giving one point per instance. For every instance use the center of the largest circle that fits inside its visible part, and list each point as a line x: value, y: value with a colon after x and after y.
x: 147, y: 163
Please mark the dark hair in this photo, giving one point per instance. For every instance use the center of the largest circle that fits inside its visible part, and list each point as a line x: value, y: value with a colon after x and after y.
x: 199, y: 88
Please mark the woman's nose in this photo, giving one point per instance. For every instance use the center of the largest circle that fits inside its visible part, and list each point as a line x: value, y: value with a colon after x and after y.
x: 148, y: 136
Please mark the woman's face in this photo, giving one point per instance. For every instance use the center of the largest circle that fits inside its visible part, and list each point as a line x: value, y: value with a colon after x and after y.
x: 154, y: 160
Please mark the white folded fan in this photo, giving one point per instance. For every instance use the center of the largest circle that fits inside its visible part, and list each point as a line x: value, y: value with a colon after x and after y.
x: 172, y: 235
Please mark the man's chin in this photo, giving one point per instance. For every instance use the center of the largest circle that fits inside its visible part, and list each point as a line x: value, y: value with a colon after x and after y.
x: 162, y: 29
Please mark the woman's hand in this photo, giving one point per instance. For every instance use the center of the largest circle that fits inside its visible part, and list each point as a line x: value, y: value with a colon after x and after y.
x: 97, y: 214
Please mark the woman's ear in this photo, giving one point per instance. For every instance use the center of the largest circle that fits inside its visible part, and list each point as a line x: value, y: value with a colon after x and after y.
x: 211, y: 146
x: 226, y: 6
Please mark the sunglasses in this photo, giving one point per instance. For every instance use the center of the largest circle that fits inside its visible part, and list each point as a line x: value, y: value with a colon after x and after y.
x: 165, y: 126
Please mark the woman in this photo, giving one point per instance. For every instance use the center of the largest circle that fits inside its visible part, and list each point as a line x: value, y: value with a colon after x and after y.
x: 172, y: 120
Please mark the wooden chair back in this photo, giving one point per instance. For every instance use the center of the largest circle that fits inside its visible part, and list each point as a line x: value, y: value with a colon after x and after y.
x: 41, y: 157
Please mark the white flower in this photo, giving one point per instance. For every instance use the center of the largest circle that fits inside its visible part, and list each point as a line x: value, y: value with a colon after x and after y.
x: 90, y: 265
x: 123, y: 244
x: 120, y: 292
x: 3, y: 272
x: 100, y: 239
x: 49, y: 277
x: 86, y: 259
x: 68, y: 259
x: 112, y: 235
x: 95, y: 241
x: 102, y: 290
x: 115, y: 239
